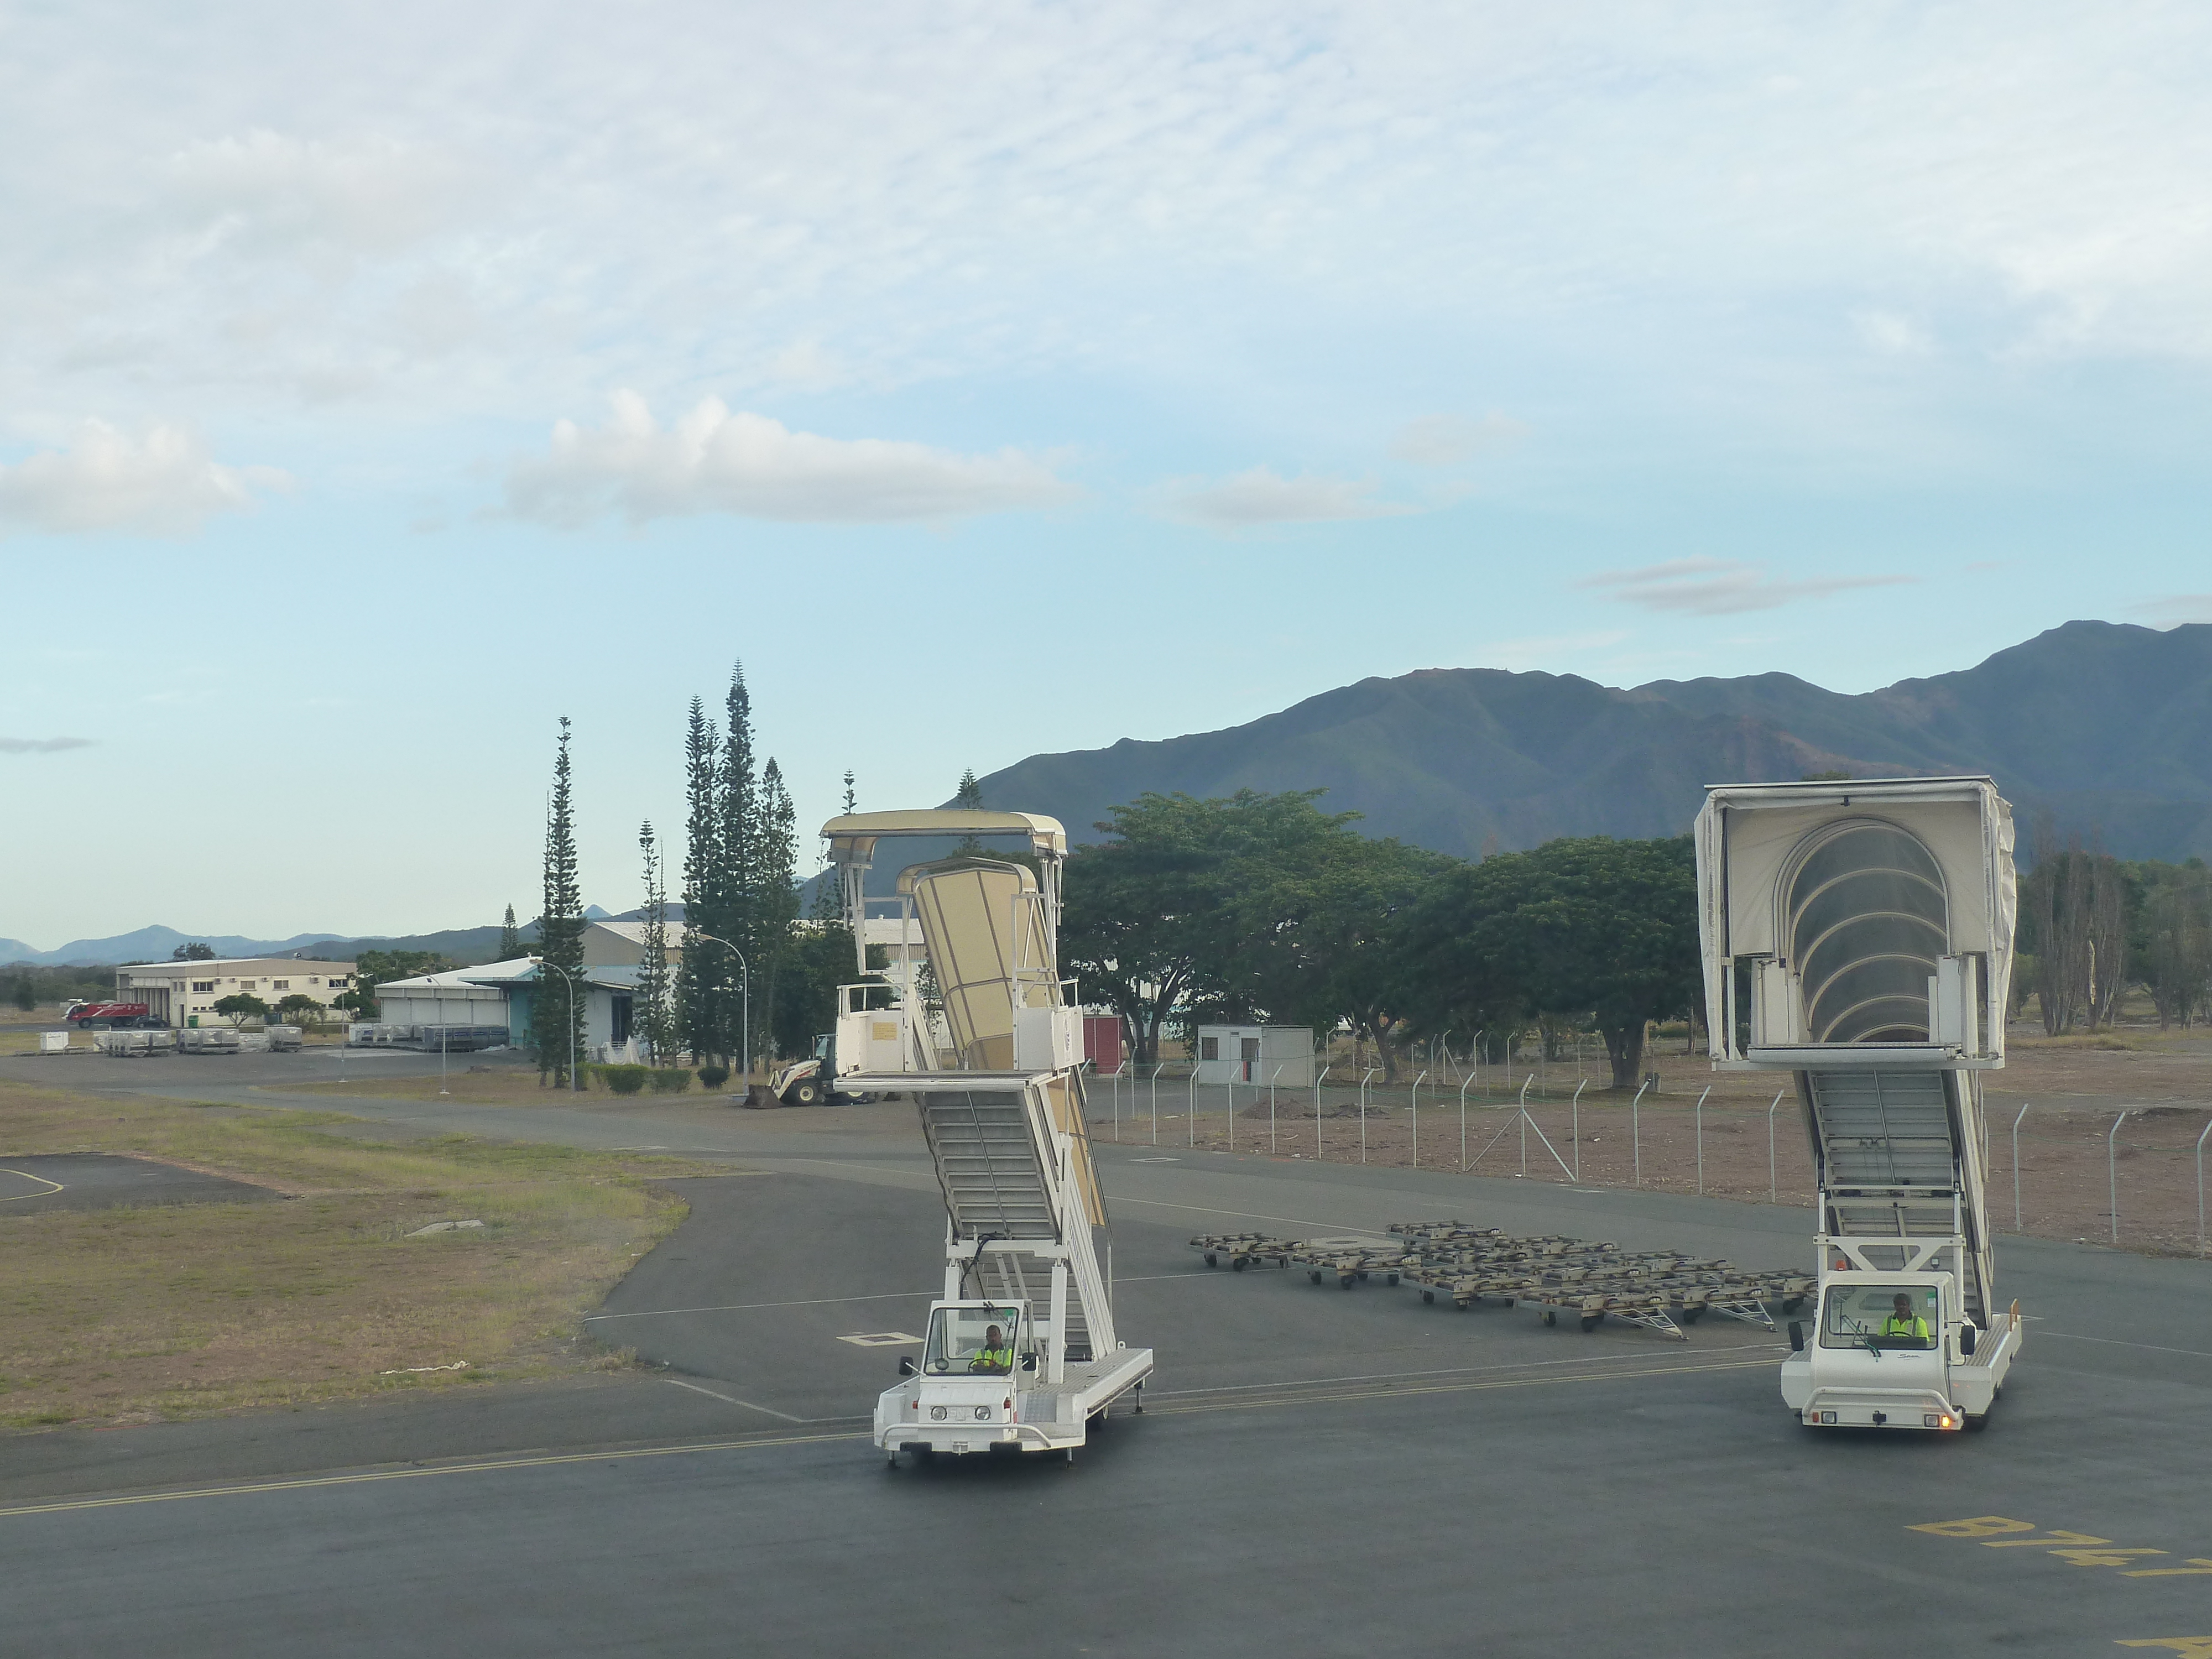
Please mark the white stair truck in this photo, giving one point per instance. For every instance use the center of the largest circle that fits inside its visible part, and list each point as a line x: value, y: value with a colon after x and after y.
x: 968, y: 1017
x: 1858, y: 936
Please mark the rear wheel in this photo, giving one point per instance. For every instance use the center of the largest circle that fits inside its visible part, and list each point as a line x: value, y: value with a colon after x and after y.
x: 1589, y: 1321
x: 804, y: 1092
x: 1210, y: 1261
x: 1551, y: 1317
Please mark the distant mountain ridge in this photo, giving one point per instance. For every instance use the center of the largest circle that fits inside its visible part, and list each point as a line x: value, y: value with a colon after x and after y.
x: 464, y: 945
x: 2106, y: 726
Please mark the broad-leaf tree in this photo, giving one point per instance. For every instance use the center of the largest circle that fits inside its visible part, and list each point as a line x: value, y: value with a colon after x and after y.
x: 242, y: 1005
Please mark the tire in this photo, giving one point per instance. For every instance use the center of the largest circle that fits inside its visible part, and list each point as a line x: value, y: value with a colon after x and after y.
x: 1391, y: 1279
x: 1551, y: 1317
x: 1210, y: 1261
x: 1428, y: 1296
x: 1976, y: 1425
x: 804, y: 1092
x: 1236, y: 1264
x: 1316, y: 1275
x: 1347, y: 1280
x: 1589, y: 1321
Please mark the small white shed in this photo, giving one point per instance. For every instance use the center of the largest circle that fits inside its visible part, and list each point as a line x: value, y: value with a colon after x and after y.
x: 1256, y: 1053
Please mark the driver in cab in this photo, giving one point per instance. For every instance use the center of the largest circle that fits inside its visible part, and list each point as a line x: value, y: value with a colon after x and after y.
x: 995, y: 1359
x: 1903, y: 1325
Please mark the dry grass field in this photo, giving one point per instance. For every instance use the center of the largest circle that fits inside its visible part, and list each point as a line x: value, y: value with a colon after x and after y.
x: 134, y: 1315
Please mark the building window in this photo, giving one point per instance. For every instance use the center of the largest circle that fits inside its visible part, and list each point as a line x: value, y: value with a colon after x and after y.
x: 1209, y: 1047
x: 338, y: 981
x: 203, y: 985
x: 280, y: 984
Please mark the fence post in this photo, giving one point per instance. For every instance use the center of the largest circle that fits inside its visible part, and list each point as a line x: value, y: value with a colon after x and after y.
x: 1463, y: 1088
x: 1771, y: 1187
x: 1700, y: 1134
x: 1363, y: 1112
x: 2200, y: 1187
x: 1416, y: 1119
x: 1636, y: 1132
x: 1232, y: 1111
x: 1190, y: 1106
x: 1474, y: 1058
x: 1318, y: 1081
x: 1575, y: 1124
x: 2024, y: 1105
x: 1523, y: 1104
x: 1156, y: 1070
x: 1271, y: 1110
x: 2112, y: 1171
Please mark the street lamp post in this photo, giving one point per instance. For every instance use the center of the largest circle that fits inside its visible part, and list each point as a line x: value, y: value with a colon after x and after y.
x: 575, y: 1083
x: 745, y: 993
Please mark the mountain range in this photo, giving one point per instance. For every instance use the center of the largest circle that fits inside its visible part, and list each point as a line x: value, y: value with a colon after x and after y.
x: 2103, y: 726
x: 2107, y: 727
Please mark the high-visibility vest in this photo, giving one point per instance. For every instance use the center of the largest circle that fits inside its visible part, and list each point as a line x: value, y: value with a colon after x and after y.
x: 992, y: 1359
x: 1911, y: 1325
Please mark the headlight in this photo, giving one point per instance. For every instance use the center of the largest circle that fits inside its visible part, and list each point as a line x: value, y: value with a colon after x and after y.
x: 983, y: 1413
x: 937, y: 1413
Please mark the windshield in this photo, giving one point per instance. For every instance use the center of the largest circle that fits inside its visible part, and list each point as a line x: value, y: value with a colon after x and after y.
x: 1886, y: 1316
x: 971, y: 1342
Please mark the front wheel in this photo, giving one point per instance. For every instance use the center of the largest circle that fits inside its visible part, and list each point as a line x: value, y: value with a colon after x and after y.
x: 807, y: 1092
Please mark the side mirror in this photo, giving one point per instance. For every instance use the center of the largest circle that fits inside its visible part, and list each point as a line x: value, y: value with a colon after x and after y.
x: 1796, y: 1336
x: 1029, y: 1362
x: 907, y: 1367
x: 1966, y: 1340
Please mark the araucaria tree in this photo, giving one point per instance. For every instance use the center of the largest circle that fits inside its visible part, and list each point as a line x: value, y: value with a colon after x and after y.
x: 557, y: 1011
x: 510, y: 938
x: 738, y: 895
x: 655, y: 1013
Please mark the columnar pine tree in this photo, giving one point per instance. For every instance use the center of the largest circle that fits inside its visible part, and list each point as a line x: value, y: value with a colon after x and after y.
x: 510, y: 938
x: 699, y: 975
x: 737, y: 909
x: 850, y: 796
x: 655, y: 1017
x: 775, y: 895
x: 556, y: 1024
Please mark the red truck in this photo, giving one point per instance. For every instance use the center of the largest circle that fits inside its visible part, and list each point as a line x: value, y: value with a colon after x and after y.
x: 113, y: 1016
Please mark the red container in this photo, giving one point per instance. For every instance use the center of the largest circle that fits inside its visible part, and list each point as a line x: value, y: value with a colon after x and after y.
x: 1102, y: 1041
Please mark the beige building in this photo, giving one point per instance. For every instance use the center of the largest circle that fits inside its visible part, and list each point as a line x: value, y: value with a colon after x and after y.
x: 185, y: 993
x: 622, y: 945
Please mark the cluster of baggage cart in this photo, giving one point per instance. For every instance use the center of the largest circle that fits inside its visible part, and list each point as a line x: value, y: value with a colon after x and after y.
x: 130, y: 1044
x: 1589, y: 1281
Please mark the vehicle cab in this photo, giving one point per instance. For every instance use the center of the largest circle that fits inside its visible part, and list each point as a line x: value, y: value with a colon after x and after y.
x: 1881, y: 1353
x: 964, y: 1393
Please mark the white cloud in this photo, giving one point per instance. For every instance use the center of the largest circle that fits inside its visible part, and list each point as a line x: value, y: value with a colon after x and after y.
x: 1450, y: 439
x: 42, y: 745
x: 714, y: 461
x: 1722, y: 587
x: 163, y: 483
x: 270, y: 192
x: 2174, y: 609
x: 1261, y: 496
x: 1891, y: 334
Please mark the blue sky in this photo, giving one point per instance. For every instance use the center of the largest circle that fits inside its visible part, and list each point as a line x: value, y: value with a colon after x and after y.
x: 378, y: 383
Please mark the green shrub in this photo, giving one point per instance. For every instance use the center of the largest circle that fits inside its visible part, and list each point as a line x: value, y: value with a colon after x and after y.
x: 669, y: 1080
x: 623, y: 1080
x: 713, y: 1077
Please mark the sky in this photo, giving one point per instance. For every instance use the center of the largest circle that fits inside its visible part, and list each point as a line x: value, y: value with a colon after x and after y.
x: 380, y: 382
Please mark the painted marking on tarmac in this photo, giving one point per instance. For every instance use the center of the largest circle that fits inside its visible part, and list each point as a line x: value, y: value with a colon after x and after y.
x: 2120, y: 1342
x: 484, y: 1466
x: 731, y: 1400
x: 880, y: 1340
x: 1769, y: 1349
x: 1447, y: 1388
x: 492, y: 1465
x: 52, y: 1187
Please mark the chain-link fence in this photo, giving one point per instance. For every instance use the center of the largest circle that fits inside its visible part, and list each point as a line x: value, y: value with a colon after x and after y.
x: 2125, y: 1175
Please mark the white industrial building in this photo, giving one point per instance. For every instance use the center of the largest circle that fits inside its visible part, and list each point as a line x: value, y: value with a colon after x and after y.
x: 185, y: 993
x: 500, y: 993
x: 1255, y: 1054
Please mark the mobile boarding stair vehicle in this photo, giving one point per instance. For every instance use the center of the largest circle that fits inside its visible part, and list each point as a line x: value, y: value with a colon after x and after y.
x: 1858, y: 935
x: 1021, y: 1354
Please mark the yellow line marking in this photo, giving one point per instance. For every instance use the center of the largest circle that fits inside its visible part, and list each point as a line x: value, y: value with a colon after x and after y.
x: 52, y: 1187
x: 489, y: 1466
x: 483, y: 1467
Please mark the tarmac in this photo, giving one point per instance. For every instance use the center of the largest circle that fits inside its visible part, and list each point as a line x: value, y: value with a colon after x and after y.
x: 1318, y: 1471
